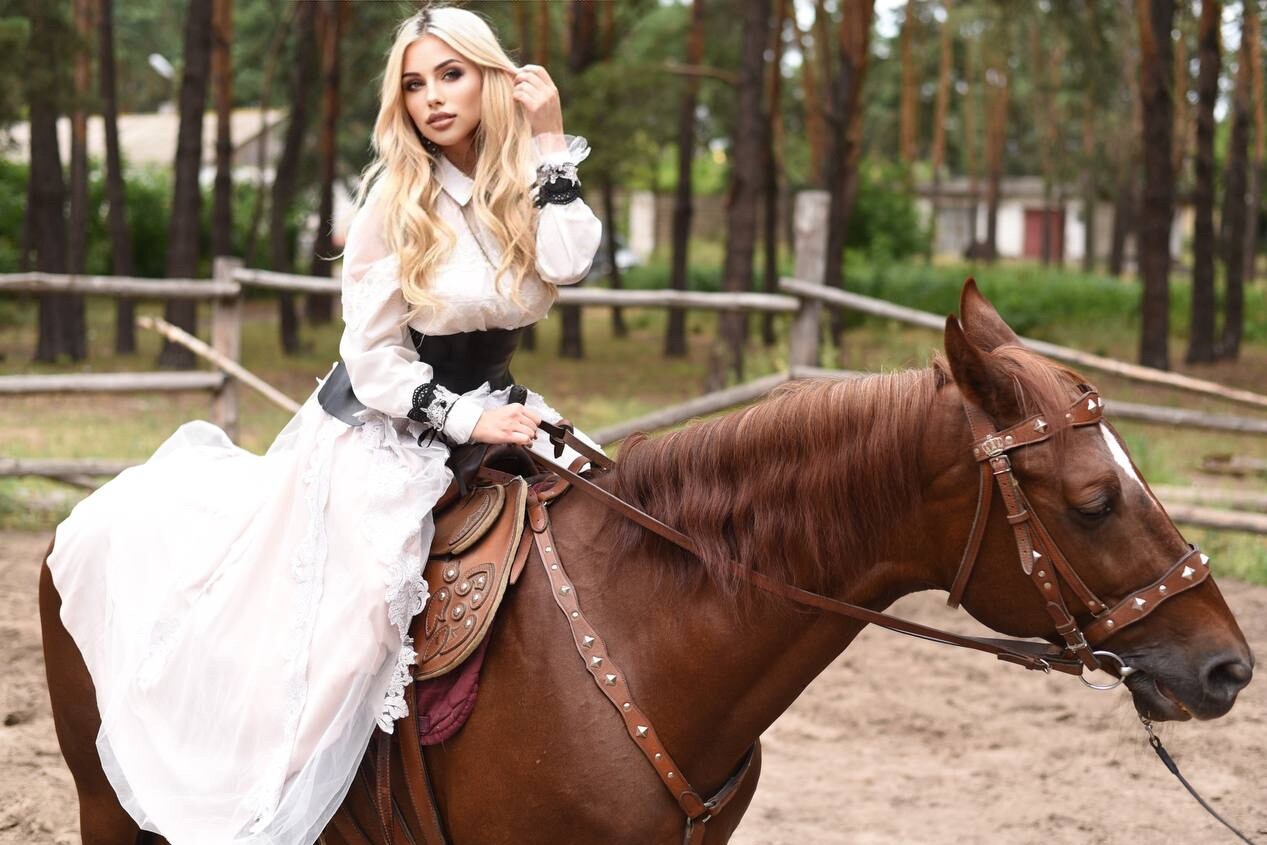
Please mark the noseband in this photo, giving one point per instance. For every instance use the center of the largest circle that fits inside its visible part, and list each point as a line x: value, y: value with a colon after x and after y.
x: 1039, y: 556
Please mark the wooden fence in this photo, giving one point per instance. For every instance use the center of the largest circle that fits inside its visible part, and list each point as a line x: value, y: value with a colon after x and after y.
x: 804, y: 298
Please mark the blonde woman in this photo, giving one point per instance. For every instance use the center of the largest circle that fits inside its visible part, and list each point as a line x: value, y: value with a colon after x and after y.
x: 244, y: 617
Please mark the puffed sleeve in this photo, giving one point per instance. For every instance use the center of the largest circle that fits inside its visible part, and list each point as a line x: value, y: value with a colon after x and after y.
x: 569, y: 233
x: 382, y: 363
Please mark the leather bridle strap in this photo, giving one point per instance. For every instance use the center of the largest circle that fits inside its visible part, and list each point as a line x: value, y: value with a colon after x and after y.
x: 1027, y: 653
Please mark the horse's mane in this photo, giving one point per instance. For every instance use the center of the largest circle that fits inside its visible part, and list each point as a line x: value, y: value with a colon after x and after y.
x: 753, y: 486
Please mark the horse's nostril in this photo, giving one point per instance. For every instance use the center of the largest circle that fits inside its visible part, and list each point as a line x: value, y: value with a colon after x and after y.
x: 1229, y: 676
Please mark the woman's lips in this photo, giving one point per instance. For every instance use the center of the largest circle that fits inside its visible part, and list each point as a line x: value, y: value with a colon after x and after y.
x: 442, y: 123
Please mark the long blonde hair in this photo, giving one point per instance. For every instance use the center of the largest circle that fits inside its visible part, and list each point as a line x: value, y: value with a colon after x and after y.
x: 404, y: 171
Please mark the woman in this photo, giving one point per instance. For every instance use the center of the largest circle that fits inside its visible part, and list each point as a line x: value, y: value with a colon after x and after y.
x: 245, y: 617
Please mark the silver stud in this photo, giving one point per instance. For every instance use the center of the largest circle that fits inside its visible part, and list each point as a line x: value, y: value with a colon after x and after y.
x: 658, y: 755
x: 627, y: 706
x: 463, y: 588
x: 477, y: 597
x: 565, y: 589
x: 1162, y: 588
x: 595, y: 662
x: 587, y: 641
x: 1047, y: 585
x: 1042, y: 573
x: 442, y: 595
x: 641, y: 731
x: 458, y: 610
x: 554, y: 566
x: 1205, y: 560
x: 480, y: 581
x: 1109, y: 624
x: 576, y: 614
x: 1068, y: 416
x: 1036, y: 553
x: 1139, y: 603
x: 469, y: 622
x: 610, y: 680
x: 671, y: 776
x: 549, y: 549
x: 451, y: 574
x: 1040, y: 425
x: 1188, y: 572
x: 1007, y: 439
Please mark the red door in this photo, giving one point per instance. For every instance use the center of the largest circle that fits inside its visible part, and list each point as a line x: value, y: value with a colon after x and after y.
x: 1034, y: 220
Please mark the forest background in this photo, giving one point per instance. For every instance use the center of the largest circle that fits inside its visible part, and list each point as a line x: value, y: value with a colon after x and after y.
x: 1147, y: 105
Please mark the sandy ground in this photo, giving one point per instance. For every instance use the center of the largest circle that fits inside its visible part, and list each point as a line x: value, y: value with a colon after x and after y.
x: 898, y: 742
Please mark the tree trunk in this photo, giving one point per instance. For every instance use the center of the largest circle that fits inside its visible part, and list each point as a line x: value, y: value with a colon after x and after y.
x: 77, y: 232
x: 811, y: 95
x: 1152, y: 242
x: 908, y: 146
x: 1201, y: 331
x: 1260, y: 140
x: 319, y: 307
x: 773, y: 166
x: 1126, y: 152
x: 941, y: 110
x: 971, y: 141
x: 1183, y: 82
x: 619, y: 329
x: 1234, y: 199
x: 116, y: 201
x: 683, y: 203
x: 262, y: 160
x: 183, y: 231
x: 995, y: 136
x: 845, y: 118
x: 222, y: 82
x: 47, y: 187
x: 582, y: 51
x: 744, y: 191
x: 286, y: 178
x: 1090, y: 165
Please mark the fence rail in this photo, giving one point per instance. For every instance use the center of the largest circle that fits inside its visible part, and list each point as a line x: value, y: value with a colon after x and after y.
x: 804, y: 296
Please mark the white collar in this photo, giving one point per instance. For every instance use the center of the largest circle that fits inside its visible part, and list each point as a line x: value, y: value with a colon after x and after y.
x: 454, y: 181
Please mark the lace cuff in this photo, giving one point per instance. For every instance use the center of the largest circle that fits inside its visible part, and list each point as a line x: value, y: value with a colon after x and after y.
x: 432, y: 403
x: 557, y: 156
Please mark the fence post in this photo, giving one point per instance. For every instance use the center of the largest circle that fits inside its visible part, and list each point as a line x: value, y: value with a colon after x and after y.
x: 226, y: 338
x: 810, y: 222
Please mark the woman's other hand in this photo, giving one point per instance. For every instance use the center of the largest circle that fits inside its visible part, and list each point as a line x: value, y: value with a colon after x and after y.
x: 511, y: 423
x: 535, y: 91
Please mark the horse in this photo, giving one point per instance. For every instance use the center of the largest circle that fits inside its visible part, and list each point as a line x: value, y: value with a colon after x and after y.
x: 862, y: 490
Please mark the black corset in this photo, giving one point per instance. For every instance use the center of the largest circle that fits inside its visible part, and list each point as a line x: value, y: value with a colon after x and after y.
x: 461, y: 363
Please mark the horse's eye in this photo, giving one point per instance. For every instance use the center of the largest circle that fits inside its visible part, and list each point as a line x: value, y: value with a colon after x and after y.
x: 1097, y: 510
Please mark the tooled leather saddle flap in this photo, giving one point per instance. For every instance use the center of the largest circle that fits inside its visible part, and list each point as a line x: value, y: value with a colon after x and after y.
x: 467, y: 575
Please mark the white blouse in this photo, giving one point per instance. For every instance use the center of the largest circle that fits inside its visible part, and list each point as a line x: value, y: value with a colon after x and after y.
x: 381, y: 360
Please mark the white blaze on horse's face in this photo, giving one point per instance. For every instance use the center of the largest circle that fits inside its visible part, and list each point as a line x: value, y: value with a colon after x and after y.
x: 1123, y: 460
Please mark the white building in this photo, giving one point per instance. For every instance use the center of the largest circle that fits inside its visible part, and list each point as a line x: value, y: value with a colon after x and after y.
x: 1023, y: 211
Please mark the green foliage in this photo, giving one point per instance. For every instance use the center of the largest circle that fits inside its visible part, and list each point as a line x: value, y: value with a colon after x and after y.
x: 884, y: 225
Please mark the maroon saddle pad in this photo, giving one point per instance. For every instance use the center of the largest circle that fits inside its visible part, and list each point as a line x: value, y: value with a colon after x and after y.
x: 442, y: 705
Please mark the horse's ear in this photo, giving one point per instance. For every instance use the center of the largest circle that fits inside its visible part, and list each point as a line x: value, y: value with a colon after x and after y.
x: 979, y: 377
x: 981, y: 322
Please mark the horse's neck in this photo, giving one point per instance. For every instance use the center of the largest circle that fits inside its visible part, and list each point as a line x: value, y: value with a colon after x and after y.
x: 711, y: 679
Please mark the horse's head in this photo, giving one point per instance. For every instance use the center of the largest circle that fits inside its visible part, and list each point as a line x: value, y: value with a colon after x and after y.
x: 1187, y: 652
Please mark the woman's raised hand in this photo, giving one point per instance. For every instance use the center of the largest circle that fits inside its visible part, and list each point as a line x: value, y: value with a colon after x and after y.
x: 535, y: 91
x: 511, y: 423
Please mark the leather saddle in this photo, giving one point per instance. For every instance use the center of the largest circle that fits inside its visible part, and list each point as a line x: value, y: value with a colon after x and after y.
x: 474, y: 557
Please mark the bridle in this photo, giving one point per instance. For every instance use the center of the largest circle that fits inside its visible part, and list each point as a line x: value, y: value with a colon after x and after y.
x: 1038, y: 555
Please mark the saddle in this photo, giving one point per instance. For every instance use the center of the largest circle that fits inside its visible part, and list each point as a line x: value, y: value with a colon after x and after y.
x: 474, y: 556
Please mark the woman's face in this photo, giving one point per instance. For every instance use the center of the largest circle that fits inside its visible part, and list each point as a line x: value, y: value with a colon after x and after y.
x: 436, y: 80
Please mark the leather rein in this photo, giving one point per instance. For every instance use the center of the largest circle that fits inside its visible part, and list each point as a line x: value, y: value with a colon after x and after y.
x: 1038, y: 555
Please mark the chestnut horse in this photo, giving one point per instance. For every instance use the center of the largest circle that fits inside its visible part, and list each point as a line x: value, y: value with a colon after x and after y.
x: 863, y: 490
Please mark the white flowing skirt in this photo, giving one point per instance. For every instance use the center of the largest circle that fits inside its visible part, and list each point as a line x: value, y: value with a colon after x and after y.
x: 245, y: 617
